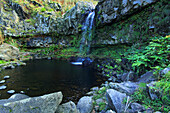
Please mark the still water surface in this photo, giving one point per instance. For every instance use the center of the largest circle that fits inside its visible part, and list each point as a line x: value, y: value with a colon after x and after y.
x: 40, y: 77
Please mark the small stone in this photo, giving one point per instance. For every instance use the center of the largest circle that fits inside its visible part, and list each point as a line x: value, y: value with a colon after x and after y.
x: 11, y: 91
x: 49, y: 58
x: 12, y: 67
x: 6, y: 77
x: 3, y: 87
x: 22, y: 92
x: 2, y: 81
x: 157, y: 112
x: 90, y: 93
x: 23, y: 64
x: 95, y: 88
x: 137, y: 107
x: 110, y: 111
x: 164, y: 71
x: 98, y: 101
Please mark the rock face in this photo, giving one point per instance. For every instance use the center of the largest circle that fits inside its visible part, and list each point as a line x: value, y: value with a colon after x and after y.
x: 73, y: 19
x: 39, y: 42
x: 8, y: 52
x: 115, y: 100
x: 121, y: 21
x: 85, y: 105
x: 43, y: 104
x: 20, y: 24
x: 68, y: 107
x: 109, y: 10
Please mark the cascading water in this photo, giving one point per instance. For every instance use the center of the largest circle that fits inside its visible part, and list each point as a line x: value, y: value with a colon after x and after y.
x: 87, y: 33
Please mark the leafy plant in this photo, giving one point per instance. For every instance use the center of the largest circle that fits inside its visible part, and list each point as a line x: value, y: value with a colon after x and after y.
x: 155, y: 54
x: 160, y: 104
x: 43, y: 9
x: 102, y: 106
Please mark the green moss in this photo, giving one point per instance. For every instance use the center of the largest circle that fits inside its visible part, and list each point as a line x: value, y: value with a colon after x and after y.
x: 43, y: 9
x: 2, y: 62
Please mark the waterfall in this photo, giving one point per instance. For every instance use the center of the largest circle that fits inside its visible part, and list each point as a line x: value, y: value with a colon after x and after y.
x: 87, y: 33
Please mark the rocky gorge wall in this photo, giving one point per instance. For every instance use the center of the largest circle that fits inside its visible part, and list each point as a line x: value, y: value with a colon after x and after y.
x: 15, y: 21
x: 130, y: 21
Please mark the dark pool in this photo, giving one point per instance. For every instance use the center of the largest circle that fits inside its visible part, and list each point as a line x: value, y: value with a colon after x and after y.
x: 40, y: 77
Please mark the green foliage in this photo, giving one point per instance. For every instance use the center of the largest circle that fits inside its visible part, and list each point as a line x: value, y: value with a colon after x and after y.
x: 163, y: 86
x: 154, y: 54
x: 2, y: 61
x: 103, y: 90
x: 162, y: 103
x: 75, y: 41
x: 102, y: 106
x: 95, y: 97
x: 108, y: 51
x: 43, y: 9
x: 11, y: 41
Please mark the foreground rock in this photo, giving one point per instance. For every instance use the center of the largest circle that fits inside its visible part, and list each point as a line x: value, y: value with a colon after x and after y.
x: 125, y: 87
x: 68, y: 107
x: 8, y: 52
x: 85, y: 105
x: 146, y: 78
x: 13, y: 98
x: 42, y: 104
x: 115, y: 100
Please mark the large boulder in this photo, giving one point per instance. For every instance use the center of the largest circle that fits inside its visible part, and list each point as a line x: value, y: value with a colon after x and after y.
x: 146, y: 78
x: 42, y: 104
x: 85, y: 104
x: 125, y: 87
x: 109, y: 10
x: 14, y: 97
x: 8, y: 52
x: 115, y: 100
x: 68, y: 107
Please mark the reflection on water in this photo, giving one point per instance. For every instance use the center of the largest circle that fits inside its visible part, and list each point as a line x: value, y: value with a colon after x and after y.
x: 46, y: 76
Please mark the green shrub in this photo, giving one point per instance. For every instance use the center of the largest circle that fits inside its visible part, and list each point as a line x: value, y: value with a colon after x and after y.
x: 2, y: 61
x: 43, y: 9
x: 162, y: 103
x: 154, y: 54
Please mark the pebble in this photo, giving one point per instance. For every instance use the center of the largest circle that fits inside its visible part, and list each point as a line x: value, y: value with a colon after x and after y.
x: 2, y: 81
x: 22, y: 92
x: 23, y: 64
x: 6, y: 77
x: 12, y: 67
x: 3, y: 87
x: 11, y: 91
x: 49, y: 58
